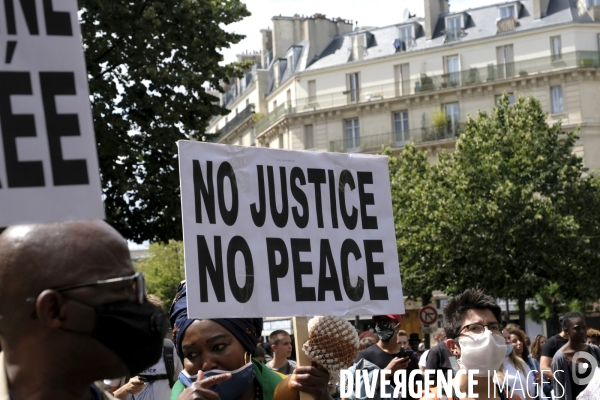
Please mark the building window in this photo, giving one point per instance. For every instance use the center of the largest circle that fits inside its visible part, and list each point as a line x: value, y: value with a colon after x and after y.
x: 353, y: 87
x: 401, y: 133
x: 452, y: 70
x: 247, y: 102
x: 406, y: 38
x: 556, y: 47
x: 280, y: 141
x: 454, y: 27
x: 507, y: 11
x: 352, y: 135
x: 289, y: 98
x: 511, y: 99
x: 402, y: 79
x: 312, y: 92
x: 274, y: 105
x: 557, y: 99
x: 308, y: 137
x: 453, y: 115
x: 252, y: 141
x: 505, y: 60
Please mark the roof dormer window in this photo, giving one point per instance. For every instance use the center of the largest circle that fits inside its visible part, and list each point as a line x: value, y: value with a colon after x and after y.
x: 509, y: 11
x: 455, y: 26
x: 406, y: 38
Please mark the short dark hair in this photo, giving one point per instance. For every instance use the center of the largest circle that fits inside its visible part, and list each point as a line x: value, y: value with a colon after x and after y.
x: 259, y: 352
x: 274, y: 336
x: 568, y: 317
x: 459, y: 306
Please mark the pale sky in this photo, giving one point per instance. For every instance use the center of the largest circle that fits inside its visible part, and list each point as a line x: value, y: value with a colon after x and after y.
x: 375, y: 13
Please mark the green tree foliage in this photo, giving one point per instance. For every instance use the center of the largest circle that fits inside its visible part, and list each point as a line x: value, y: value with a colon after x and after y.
x: 164, y: 269
x: 149, y: 64
x: 511, y: 211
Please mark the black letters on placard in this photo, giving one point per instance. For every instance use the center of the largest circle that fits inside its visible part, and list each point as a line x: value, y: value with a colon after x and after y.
x: 300, y: 197
x: 208, y: 269
x: 317, y: 176
x: 29, y: 12
x: 258, y: 217
x: 19, y: 174
x: 366, y: 199
x: 57, y: 23
x: 349, y: 220
x: 244, y: 293
x: 332, y: 199
x: 301, y: 268
x: 202, y: 192
x: 279, y: 218
x: 276, y: 271
x: 375, y: 268
x: 64, y: 172
x: 330, y: 283
x: 226, y: 171
x: 355, y: 293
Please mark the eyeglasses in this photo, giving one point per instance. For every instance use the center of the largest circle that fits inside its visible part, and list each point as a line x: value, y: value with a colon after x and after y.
x: 139, y: 285
x: 478, y: 329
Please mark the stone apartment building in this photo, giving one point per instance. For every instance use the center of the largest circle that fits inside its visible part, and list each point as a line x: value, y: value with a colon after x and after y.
x: 325, y: 85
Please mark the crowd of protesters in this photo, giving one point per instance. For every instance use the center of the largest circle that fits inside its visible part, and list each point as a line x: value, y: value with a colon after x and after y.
x: 74, y: 333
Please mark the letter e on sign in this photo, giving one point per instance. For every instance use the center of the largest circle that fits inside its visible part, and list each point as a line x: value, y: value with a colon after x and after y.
x: 48, y: 161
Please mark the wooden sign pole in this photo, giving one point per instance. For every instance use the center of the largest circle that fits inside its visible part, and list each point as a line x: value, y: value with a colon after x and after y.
x: 301, y: 337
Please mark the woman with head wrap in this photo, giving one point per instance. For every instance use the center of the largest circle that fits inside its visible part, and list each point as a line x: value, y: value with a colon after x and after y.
x: 218, y: 364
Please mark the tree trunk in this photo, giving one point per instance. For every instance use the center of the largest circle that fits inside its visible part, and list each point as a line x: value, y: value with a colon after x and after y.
x: 522, y: 313
x: 507, y: 312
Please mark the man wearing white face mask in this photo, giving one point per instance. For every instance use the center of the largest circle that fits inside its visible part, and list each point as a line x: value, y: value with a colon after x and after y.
x: 472, y: 325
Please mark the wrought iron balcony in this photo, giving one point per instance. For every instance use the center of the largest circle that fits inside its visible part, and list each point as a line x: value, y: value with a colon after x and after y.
x: 373, y: 143
x: 237, y: 121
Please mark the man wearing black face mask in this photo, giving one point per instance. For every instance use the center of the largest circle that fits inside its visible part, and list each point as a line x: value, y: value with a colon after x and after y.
x: 72, y: 311
x: 387, y: 354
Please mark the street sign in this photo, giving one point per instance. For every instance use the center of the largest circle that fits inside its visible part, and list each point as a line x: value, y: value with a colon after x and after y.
x: 428, y: 315
x: 427, y: 330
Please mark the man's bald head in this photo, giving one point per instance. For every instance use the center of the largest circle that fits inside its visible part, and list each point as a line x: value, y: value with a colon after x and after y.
x: 44, y: 256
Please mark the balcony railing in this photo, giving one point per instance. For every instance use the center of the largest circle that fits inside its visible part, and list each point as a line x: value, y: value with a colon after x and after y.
x: 372, y: 143
x: 432, y: 82
x: 236, y: 121
x: 465, y: 78
x: 271, y: 118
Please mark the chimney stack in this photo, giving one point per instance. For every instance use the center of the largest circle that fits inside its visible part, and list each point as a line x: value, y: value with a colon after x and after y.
x: 433, y: 9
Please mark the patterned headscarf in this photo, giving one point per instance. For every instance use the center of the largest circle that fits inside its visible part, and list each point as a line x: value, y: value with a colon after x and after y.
x: 246, y: 330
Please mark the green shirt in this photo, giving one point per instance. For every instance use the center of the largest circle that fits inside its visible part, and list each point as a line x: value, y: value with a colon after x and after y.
x: 267, y: 379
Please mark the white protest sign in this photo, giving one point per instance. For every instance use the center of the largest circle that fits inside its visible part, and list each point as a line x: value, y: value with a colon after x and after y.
x: 287, y: 233
x: 48, y: 160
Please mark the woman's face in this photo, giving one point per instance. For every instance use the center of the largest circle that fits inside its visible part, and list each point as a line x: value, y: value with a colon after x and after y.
x: 207, y: 345
x: 517, y: 344
x: 542, y: 341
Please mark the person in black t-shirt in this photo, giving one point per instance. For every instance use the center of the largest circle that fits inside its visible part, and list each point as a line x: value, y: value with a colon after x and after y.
x: 549, y: 350
x: 387, y: 353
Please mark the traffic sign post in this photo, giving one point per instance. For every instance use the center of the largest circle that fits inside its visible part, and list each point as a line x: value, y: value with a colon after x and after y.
x: 428, y: 316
